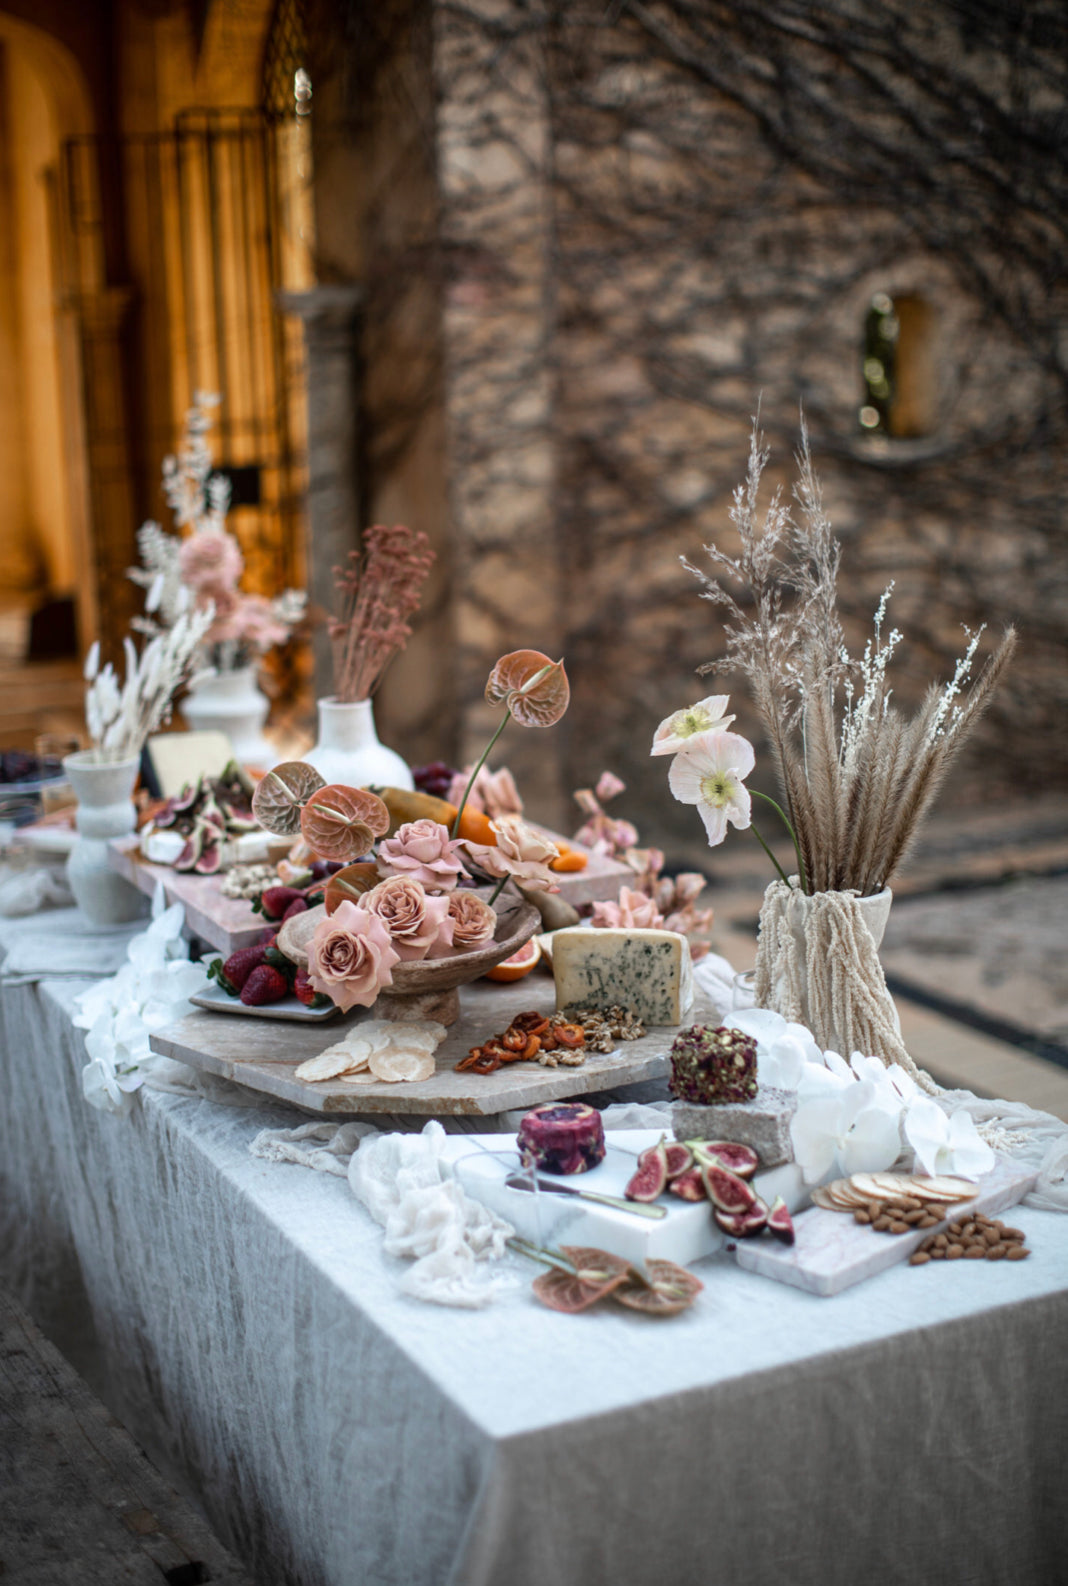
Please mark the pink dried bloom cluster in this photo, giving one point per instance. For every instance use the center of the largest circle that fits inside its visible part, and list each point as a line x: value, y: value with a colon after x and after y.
x: 211, y: 564
x: 492, y: 793
x: 600, y: 832
x: 379, y: 591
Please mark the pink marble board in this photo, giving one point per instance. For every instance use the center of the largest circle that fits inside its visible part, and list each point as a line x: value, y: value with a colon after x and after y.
x: 226, y: 923
x: 832, y: 1252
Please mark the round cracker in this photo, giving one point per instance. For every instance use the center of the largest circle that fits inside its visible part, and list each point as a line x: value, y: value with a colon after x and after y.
x: 395, y: 1063
x: 945, y: 1187
x: 331, y: 1064
x: 821, y: 1198
x: 362, y: 1077
x: 422, y: 1034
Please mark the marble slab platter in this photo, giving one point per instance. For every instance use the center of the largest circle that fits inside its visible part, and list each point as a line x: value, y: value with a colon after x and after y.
x: 229, y: 924
x: 831, y: 1252
x: 264, y: 1057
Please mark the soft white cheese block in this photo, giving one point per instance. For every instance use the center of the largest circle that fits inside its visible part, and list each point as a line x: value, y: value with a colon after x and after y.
x: 162, y: 847
x: 648, y: 972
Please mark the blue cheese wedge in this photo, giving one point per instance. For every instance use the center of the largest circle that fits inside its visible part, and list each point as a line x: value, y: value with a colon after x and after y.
x: 648, y: 972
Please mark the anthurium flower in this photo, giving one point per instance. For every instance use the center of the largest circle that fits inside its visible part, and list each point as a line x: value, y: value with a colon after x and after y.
x: 677, y: 732
x: 711, y: 773
x: 946, y: 1144
x: 534, y: 688
x: 852, y: 1131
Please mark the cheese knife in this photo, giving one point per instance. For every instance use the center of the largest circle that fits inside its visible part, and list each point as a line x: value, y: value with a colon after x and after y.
x: 520, y: 1181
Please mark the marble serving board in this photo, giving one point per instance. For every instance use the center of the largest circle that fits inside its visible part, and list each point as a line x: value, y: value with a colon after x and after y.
x: 264, y: 1057
x: 686, y: 1233
x: 831, y: 1252
x: 227, y: 924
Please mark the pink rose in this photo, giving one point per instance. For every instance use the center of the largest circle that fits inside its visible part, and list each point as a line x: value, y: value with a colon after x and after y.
x: 634, y: 911
x: 415, y: 921
x: 521, y: 852
x: 474, y: 922
x: 351, y: 957
x: 210, y: 559
x: 422, y: 851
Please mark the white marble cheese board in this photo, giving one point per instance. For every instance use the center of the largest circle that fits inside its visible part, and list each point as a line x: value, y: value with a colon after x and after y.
x: 687, y: 1233
x: 831, y: 1251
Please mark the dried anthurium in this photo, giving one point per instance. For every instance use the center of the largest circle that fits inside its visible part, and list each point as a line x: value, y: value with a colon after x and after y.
x: 534, y: 689
x: 350, y: 884
x: 282, y: 794
x: 342, y: 823
x: 590, y: 1276
x: 664, y: 1290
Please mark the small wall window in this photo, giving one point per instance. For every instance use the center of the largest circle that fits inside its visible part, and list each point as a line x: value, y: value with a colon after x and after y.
x: 898, y: 370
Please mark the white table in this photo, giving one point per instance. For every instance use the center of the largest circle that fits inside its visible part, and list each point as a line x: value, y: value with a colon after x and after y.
x: 337, y: 1434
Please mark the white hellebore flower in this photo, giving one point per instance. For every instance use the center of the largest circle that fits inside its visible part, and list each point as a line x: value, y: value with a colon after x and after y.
x: 677, y: 732
x: 710, y: 773
x: 946, y: 1145
x: 852, y: 1131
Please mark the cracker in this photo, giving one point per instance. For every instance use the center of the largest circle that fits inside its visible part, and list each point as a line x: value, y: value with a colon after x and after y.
x: 395, y: 1063
x: 339, y: 1059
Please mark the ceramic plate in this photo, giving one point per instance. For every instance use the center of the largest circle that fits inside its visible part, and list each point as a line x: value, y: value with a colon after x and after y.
x: 216, y: 1000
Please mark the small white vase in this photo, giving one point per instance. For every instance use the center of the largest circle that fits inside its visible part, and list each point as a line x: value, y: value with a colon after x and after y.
x: 232, y: 702
x: 348, y: 750
x: 105, y: 810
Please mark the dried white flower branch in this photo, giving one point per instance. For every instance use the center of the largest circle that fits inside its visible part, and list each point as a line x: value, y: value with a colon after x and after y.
x: 119, y: 719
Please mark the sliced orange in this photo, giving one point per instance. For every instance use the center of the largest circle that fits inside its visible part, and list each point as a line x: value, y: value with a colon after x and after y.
x: 519, y: 964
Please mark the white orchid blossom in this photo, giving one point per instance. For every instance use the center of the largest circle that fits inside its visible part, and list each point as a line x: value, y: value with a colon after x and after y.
x: 784, y: 1050
x: 711, y: 773
x: 677, y: 732
x: 851, y: 1131
x: 151, y: 990
x: 946, y: 1144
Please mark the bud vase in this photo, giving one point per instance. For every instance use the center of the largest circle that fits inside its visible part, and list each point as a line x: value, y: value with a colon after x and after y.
x: 105, y: 810
x: 232, y: 702
x: 348, y: 749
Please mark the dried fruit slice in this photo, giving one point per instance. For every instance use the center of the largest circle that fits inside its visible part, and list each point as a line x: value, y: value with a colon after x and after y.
x: 282, y: 794
x: 665, y: 1290
x: 350, y: 884
x: 689, y: 1186
x: 342, y: 823
x: 596, y: 1274
x: 650, y: 1180
x: 726, y: 1190
x: 743, y: 1225
x: 679, y: 1159
x: 739, y: 1159
x: 780, y: 1223
x: 534, y: 688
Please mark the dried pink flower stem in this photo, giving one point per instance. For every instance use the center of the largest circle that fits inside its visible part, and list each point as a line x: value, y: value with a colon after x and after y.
x: 379, y: 591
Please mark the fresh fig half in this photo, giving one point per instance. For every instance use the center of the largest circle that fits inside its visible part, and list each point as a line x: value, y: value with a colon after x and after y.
x: 743, y: 1225
x: 650, y: 1181
x: 689, y: 1186
x: 664, y: 1290
x: 210, y: 859
x: 679, y: 1159
x: 741, y: 1160
x: 780, y: 1223
x: 726, y: 1190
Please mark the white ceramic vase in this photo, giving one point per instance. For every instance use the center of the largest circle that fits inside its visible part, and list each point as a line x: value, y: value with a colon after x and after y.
x: 105, y: 810
x: 232, y: 702
x: 348, y: 750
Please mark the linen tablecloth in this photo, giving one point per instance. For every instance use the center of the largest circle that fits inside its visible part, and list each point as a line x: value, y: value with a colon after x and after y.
x: 250, y: 1333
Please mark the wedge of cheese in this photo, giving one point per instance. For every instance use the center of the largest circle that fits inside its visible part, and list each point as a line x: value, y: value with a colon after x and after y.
x: 648, y: 972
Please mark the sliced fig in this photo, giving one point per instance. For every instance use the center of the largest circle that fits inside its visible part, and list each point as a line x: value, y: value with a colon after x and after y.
x: 741, y: 1160
x: 210, y: 859
x: 664, y: 1290
x: 689, y: 1186
x: 650, y: 1181
x: 726, y: 1190
x: 743, y: 1225
x: 780, y: 1223
x: 184, y: 801
x: 679, y: 1158
x: 192, y: 851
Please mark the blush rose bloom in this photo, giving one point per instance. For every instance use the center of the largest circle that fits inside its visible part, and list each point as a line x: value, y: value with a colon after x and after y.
x: 351, y: 957
x: 422, y: 851
x: 474, y: 922
x: 634, y: 911
x: 521, y: 852
x: 416, y: 922
x: 210, y: 560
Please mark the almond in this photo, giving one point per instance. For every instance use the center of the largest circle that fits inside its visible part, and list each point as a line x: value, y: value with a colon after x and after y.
x: 1017, y: 1253
x: 919, y: 1258
x: 996, y: 1252
x: 898, y: 1228
x: 954, y: 1252
x: 975, y: 1253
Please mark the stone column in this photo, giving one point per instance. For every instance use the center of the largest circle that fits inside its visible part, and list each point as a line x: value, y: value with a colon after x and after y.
x: 329, y: 315
x: 101, y: 318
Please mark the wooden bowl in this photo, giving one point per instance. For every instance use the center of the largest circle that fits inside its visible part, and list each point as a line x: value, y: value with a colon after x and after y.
x: 429, y: 987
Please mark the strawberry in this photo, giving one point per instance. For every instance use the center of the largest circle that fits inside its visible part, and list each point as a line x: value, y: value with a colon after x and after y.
x: 274, y: 901
x: 298, y: 906
x: 262, y: 986
x: 306, y: 992
x: 239, y: 966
